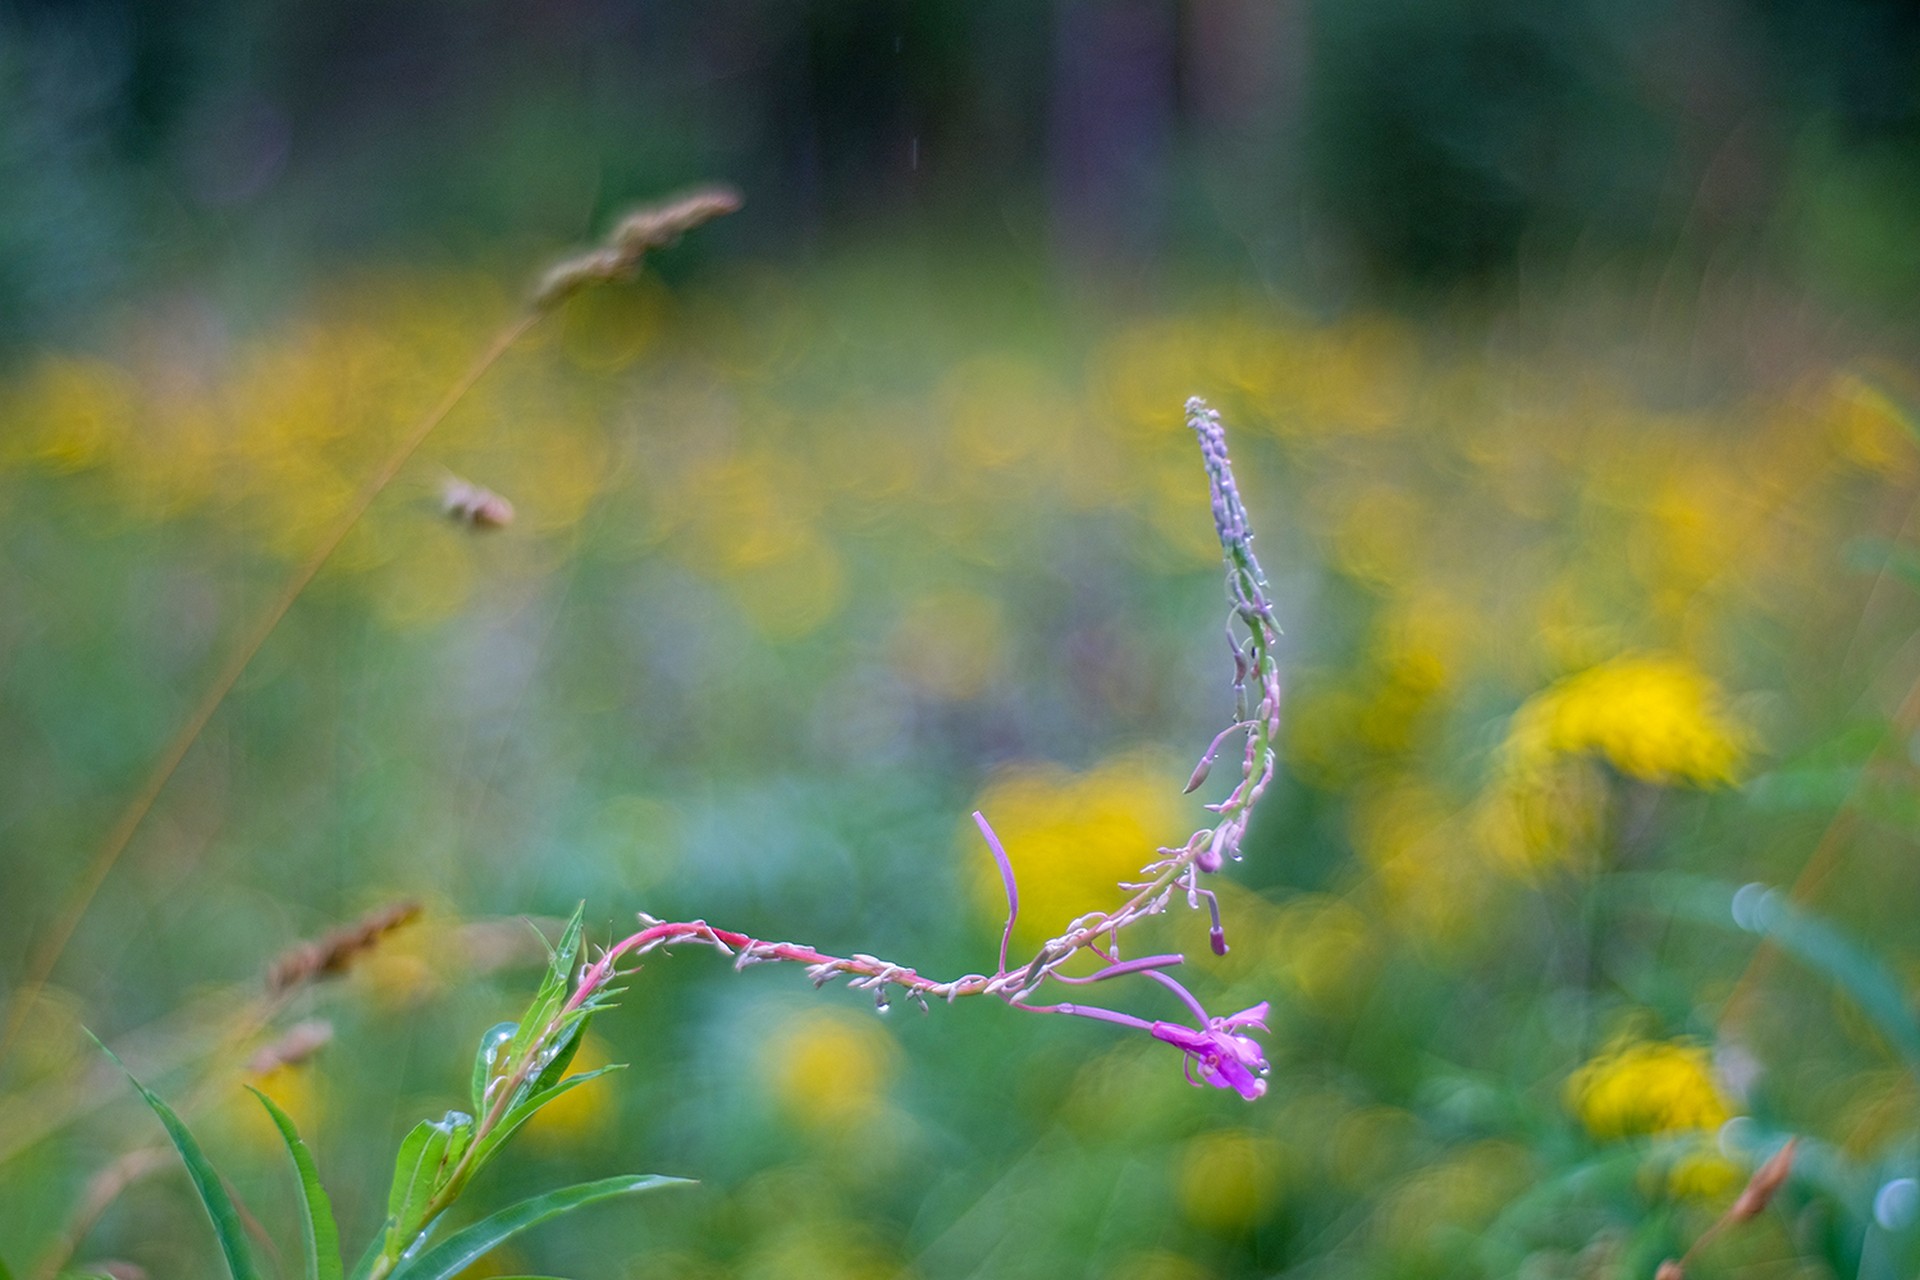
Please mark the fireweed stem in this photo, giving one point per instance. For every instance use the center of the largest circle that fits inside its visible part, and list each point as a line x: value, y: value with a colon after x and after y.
x: 1217, y: 1048
x: 1256, y: 679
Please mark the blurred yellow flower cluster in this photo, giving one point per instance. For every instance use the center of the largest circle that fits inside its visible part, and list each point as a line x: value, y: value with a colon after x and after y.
x: 1072, y: 838
x: 1654, y: 717
x: 1663, y: 1089
x: 1648, y: 1087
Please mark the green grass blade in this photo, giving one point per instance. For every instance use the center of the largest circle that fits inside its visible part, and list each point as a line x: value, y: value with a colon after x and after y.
x: 227, y: 1227
x: 322, y: 1236
x: 459, y: 1251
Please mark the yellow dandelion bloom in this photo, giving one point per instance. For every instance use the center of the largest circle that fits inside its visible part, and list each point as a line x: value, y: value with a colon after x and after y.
x: 1651, y: 716
x: 1648, y: 1087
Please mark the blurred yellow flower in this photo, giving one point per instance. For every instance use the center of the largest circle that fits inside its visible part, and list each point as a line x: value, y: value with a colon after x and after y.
x: 1227, y: 1179
x: 828, y: 1067
x: 1704, y: 1174
x: 584, y: 1110
x: 1654, y: 717
x: 1870, y: 429
x: 1072, y: 838
x: 1648, y: 1087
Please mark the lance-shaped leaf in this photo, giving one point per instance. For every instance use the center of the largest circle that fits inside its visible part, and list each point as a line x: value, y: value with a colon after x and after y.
x: 321, y: 1236
x: 427, y: 1157
x: 490, y: 1145
x: 227, y: 1227
x: 459, y: 1251
x: 488, y: 1060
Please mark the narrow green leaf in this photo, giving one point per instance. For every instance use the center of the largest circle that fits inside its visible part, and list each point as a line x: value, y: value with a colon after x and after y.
x: 227, y: 1227
x: 554, y: 986
x: 426, y: 1156
x: 524, y: 1111
x: 322, y: 1237
x: 492, y: 1044
x: 460, y: 1250
x: 562, y: 1056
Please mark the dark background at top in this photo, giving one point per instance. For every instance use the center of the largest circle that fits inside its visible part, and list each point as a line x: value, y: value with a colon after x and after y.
x: 1378, y: 146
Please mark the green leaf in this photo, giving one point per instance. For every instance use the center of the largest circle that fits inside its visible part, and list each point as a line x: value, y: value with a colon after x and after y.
x: 498, y: 1036
x: 322, y: 1237
x: 220, y: 1208
x: 561, y: 1057
x: 551, y: 997
x: 524, y: 1111
x: 427, y: 1155
x: 461, y: 1250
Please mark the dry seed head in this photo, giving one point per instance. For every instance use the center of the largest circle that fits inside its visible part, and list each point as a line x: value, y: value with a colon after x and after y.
x: 656, y: 225
x: 1766, y: 1180
x: 647, y: 228
x: 301, y: 1041
x: 335, y: 952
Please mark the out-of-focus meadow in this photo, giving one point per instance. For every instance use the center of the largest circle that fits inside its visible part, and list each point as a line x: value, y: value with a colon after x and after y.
x: 1566, y: 362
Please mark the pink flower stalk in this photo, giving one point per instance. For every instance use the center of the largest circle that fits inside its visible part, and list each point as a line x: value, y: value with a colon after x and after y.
x: 1218, y: 1053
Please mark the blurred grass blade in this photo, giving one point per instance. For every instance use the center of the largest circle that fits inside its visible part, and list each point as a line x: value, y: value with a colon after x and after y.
x: 461, y: 1250
x: 1882, y: 555
x: 1757, y: 909
x: 322, y: 1236
x: 227, y: 1226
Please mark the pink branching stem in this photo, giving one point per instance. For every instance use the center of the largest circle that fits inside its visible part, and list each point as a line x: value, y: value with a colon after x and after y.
x: 1141, y: 965
x: 1253, y: 636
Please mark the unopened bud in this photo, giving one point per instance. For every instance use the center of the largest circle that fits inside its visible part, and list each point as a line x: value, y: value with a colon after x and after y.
x: 1200, y: 772
x: 1218, y: 937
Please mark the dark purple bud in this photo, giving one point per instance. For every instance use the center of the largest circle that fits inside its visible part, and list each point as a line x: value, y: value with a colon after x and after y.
x: 1218, y: 937
x: 1208, y: 859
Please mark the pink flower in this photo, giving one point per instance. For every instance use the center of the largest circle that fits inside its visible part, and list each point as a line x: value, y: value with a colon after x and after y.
x: 1226, y: 1060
